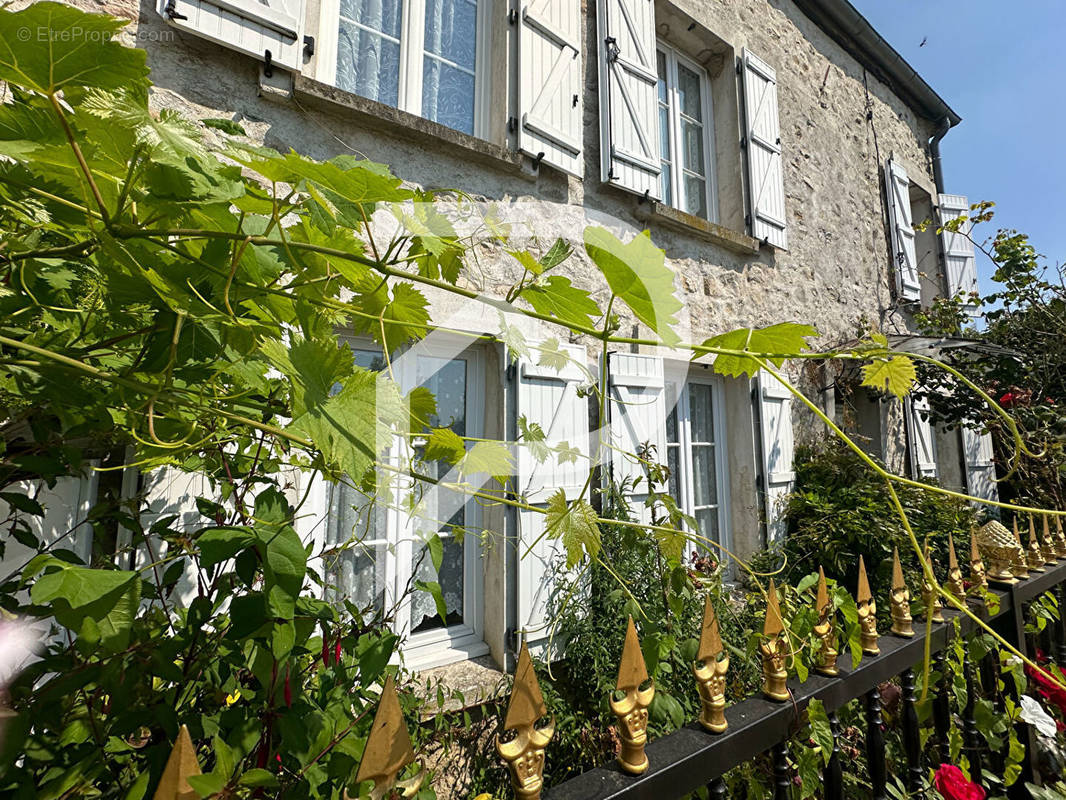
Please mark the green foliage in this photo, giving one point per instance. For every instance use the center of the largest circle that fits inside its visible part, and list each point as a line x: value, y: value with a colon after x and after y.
x: 778, y: 340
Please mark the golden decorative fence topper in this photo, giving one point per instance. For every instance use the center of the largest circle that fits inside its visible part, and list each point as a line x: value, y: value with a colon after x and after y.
x: 1018, y: 568
x: 825, y: 629
x: 181, y: 765
x: 930, y: 598
x: 1048, y: 543
x: 1060, y: 538
x: 900, y: 597
x: 954, y: 585
x: 388, y: 749
x: 710, y: 668
x: 977, y: 567
x: 524, y: 753
x: 867, y: 606
x: 632, y: 708
x: 998, y: 546
x: 774, y: 648
x: 1035, y: 557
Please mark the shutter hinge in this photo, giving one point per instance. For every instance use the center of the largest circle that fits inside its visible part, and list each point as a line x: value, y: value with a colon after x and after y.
x: 512, y: 124
x: 512, y: 369
x: 612, y: 49
x: 740, y: 68
x: 171, y: 11
x: 537, y: 159
x: 309, y: 46
x: 268, y: 66
x: 743, y: 142
x: 512, y: 16
x: 747, y: 220
x: 575, y: 101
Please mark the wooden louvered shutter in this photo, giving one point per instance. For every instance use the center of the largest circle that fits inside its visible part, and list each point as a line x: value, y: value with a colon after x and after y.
x: 629, y: 106
x: 548, y: 398
x: 960, y: 268
x: 762, y: 140
x: 255, y: 28
x: 922, y: 439
x: 550, y: 82
x: 980, y: 465
x: 775, y: 423
x: 637, y: 412
x: 904, y: 258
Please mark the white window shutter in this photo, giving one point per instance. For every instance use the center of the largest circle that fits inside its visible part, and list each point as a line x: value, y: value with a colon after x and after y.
x: 550, y: 82
x: 778, y: 444
x: 904, y: 258
x: 249, y: 26
x: 923, y: 441
x: 548, y: 398
x: 980, y: 465
x: 762, y: 140
x: 637, y: 412
x: 629, y: 104
x: 960, y: 268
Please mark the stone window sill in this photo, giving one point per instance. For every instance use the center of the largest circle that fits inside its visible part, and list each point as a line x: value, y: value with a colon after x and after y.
x: 675, y: 219
x: 381, y: 117
x: 477, y: 679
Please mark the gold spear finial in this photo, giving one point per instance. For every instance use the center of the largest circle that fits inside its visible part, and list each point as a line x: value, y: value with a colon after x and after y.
x: 867, y: 607
x: 181, y: 765
x: 825, y: 629
x: 1018, y: 566
x: 930, y: 598
x: 900, y: 600
x: 388, y: 749
x: 1048, y: 543
x: 774, y: 648
x: 525, y: 753
x: 710, y: 669
x: 632, y: 706
x: 1060, y: 538
x: 954, y: 583
x: 1034, y: 556
x: 978, y: 582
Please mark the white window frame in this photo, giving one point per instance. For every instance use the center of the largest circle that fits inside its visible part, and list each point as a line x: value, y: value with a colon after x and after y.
x: 680, y: 376
x: 412, y: 54
x: 677, y: 183
x: 456, y: 642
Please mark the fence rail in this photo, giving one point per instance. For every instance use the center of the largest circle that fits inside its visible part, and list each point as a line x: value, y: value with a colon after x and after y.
x: 692, y: 757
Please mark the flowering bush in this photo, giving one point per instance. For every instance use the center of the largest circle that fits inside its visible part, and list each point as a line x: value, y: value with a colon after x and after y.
x: 952, y: 784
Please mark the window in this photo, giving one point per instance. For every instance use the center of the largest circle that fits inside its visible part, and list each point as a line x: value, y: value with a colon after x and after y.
x: 421, y: 56
x: 694, y: 452
x: 685, y: 133
x: 384, y: 551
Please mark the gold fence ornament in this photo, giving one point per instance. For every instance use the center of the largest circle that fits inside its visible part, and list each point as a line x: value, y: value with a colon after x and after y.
x: 388, y: 750
x: 774, y: 649
x: 954, y: 584
x: 999, y: 550
x: 1060, y: 538
x: 1018, y: 567
x: 930, y: 597
x: 1048, y: 543
x: 978, y: 582
x: 524, y: 753
x: 1034, y: 555
x: 710, y: 668
x: 825, y: 629
x: 900, y: 600
x: 867, y: 607
x: 181, y: 765
x: 632, y: 708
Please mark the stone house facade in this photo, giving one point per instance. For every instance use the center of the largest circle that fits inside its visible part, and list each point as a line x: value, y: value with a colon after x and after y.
x: 778, y: 150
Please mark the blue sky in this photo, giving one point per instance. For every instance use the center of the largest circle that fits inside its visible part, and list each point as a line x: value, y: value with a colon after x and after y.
x: 1002, y: 67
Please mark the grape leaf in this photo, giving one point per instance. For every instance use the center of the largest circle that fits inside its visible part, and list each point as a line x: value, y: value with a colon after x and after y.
x: 575, y: 525
x: 557, y: 297
x: 783, y: 338
x: 893, y: 375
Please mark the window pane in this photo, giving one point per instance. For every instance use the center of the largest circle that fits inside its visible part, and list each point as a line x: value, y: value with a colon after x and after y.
x: 673, y: 462
x: 660, y: 62
x: 379, y: 15
x: 446, y: 378
x: 671, y: 415
x: 704, y: 476
x: 692, y: 142
x: 447, y: 95
x: 667, y: 178
x: 368, y: 64
x: 707, y: 525
x: 695, y: 196
x: 357, y: 573
x: 451, y: 31
x: 424, y: 615
x: 688, y: 89
x: 699, y: 399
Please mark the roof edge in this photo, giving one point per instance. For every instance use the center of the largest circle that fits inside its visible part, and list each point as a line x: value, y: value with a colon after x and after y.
x: 851, y: 30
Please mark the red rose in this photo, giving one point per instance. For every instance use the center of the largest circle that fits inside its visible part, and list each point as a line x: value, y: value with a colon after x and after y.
x: 952, y: 784
x: 1049, y: 689
x: 1007, y: 399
